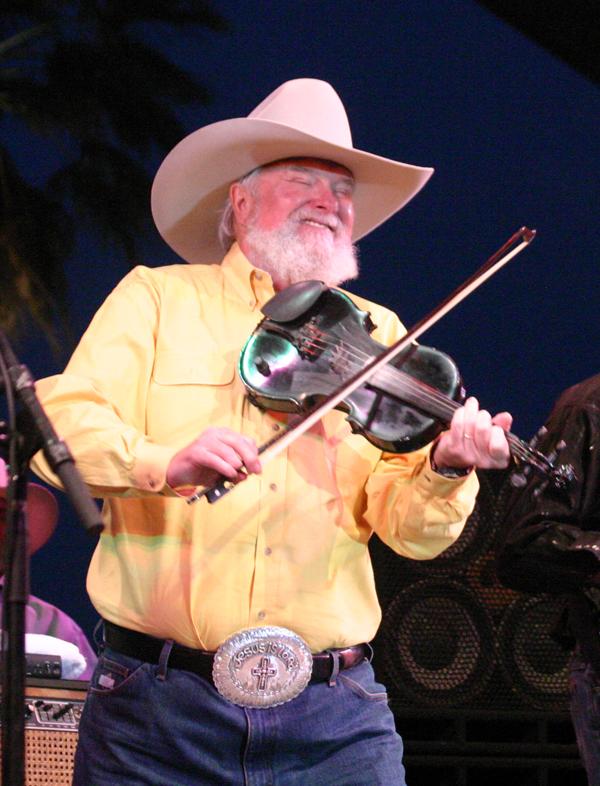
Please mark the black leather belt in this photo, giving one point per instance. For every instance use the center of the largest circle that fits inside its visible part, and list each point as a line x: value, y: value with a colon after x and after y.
x: 148, y: 649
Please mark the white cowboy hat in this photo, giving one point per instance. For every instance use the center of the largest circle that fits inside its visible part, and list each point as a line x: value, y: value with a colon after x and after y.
x: 301, y: 118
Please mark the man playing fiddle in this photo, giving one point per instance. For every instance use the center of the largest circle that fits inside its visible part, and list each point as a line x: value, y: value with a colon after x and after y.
x: 236, y: 634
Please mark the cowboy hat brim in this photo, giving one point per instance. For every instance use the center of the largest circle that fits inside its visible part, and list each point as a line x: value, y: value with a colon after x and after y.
x: 192, y: 183
x: 42, y: 514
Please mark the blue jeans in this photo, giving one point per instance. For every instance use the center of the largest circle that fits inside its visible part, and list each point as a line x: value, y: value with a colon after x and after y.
x: 584, y: 688
x: 148, y: 725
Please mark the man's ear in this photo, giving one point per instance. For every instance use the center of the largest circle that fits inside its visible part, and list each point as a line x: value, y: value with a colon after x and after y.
x: 240, y: 203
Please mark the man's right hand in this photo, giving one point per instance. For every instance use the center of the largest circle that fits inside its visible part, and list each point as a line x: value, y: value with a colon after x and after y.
x: 217, y: 452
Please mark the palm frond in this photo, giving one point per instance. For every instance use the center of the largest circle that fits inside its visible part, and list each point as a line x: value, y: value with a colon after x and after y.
x: 109, y: 191
x: 20, y: 39
x: 36, y: 234
x: 173, y: 12
x: 103, y: 101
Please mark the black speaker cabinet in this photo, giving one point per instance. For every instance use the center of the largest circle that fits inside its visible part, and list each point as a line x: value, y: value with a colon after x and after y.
x: 52, y: 712
x: 452, y: 636
x: 476, y: 681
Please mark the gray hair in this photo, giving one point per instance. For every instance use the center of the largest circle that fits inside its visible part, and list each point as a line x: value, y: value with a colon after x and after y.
x: 226, y: 229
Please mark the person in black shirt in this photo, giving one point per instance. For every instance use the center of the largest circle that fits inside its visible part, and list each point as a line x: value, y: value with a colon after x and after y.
x: 553, y: 546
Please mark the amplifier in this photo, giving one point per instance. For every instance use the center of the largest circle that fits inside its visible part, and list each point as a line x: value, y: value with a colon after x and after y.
x: 52, y: 712
x: 44, y: 666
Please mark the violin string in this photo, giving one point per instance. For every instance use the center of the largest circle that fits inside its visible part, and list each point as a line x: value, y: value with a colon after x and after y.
x: 445, y: 405
x: 436, y: 400
x: 404, y: 383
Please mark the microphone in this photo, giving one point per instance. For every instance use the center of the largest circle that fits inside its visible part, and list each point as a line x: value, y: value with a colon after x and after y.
x: 39, y: 433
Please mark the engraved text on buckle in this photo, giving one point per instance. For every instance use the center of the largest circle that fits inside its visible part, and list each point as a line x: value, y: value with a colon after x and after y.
x: 262, y: 667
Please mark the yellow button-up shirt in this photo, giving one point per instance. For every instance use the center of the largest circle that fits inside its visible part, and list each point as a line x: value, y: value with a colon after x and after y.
x: 288, y: 547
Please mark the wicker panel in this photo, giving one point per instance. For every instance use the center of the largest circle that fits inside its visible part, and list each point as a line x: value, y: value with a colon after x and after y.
x: 51, y: 733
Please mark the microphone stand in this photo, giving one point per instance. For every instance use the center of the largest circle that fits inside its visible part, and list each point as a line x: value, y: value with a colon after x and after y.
x: 14, y: 600
x: 27, y: 433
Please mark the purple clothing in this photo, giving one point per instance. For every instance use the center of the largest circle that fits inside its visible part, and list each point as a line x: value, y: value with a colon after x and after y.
x: 44, y: 618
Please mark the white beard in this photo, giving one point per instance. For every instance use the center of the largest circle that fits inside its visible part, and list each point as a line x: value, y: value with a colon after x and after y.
x: 289, y: 258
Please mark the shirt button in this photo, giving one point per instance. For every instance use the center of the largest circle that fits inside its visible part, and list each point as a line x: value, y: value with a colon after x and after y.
x: 259, y: 276
x: 273, y: 486
x: 261, y: 615
x: 276, y: 426
x: 251, y: 303
x: 267, y: 551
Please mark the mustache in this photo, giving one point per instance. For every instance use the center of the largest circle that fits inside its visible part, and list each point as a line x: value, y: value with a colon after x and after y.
x: 331, y: 221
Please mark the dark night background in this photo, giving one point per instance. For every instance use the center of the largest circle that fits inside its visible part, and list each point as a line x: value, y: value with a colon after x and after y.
x: 512, y: 132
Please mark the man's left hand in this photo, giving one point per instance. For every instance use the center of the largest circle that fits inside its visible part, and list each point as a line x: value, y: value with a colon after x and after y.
x: 474, y: 439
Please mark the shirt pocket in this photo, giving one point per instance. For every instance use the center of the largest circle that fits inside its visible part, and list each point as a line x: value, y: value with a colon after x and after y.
x: 189, y: 393
x: 178, y: 368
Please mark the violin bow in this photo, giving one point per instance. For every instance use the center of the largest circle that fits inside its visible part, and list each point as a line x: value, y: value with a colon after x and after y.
x: 513, y: 246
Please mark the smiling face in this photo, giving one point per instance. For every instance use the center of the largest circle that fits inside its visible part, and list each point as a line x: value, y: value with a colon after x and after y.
x: 295, y: 220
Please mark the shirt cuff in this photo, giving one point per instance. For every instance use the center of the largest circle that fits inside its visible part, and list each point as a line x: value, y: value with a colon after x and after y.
x: 454, y: 473
x: 149, y: 471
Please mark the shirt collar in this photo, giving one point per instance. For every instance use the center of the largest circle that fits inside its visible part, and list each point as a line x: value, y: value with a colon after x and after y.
x: 249, y: 283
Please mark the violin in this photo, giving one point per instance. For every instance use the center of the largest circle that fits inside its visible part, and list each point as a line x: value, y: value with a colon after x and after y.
x: 313, y: 352
x: 313, y: 339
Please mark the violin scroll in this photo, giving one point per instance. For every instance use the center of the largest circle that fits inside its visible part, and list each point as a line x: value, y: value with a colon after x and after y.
x: 561, y: 477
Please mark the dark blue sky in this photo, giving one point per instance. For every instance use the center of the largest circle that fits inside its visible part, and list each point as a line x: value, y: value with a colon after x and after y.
x: 512, y: 133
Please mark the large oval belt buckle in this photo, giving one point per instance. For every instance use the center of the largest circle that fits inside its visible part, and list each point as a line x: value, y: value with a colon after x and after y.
x: 262, y: 667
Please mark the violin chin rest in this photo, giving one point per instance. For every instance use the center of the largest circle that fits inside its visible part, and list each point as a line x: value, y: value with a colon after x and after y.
x: 293, y: 301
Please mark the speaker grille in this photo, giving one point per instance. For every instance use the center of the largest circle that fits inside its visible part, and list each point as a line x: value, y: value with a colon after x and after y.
x: 531, y: 659
x: 49, y: 757
x: 438, y: 643
x: 52, y: 713
x: 452, y: 636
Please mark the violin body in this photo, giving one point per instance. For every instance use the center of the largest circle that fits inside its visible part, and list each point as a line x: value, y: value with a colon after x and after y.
x: 314, y: 339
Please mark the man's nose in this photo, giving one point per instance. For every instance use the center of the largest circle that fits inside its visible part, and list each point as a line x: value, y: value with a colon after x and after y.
x: 324, y: 197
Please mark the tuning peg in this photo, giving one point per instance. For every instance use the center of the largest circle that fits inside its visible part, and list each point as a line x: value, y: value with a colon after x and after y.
x: 518, y: 479
x: 541, y: 432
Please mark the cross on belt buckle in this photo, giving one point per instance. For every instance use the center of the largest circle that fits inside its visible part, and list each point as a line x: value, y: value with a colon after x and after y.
x: 262, y: 667
x: 263, y: 671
